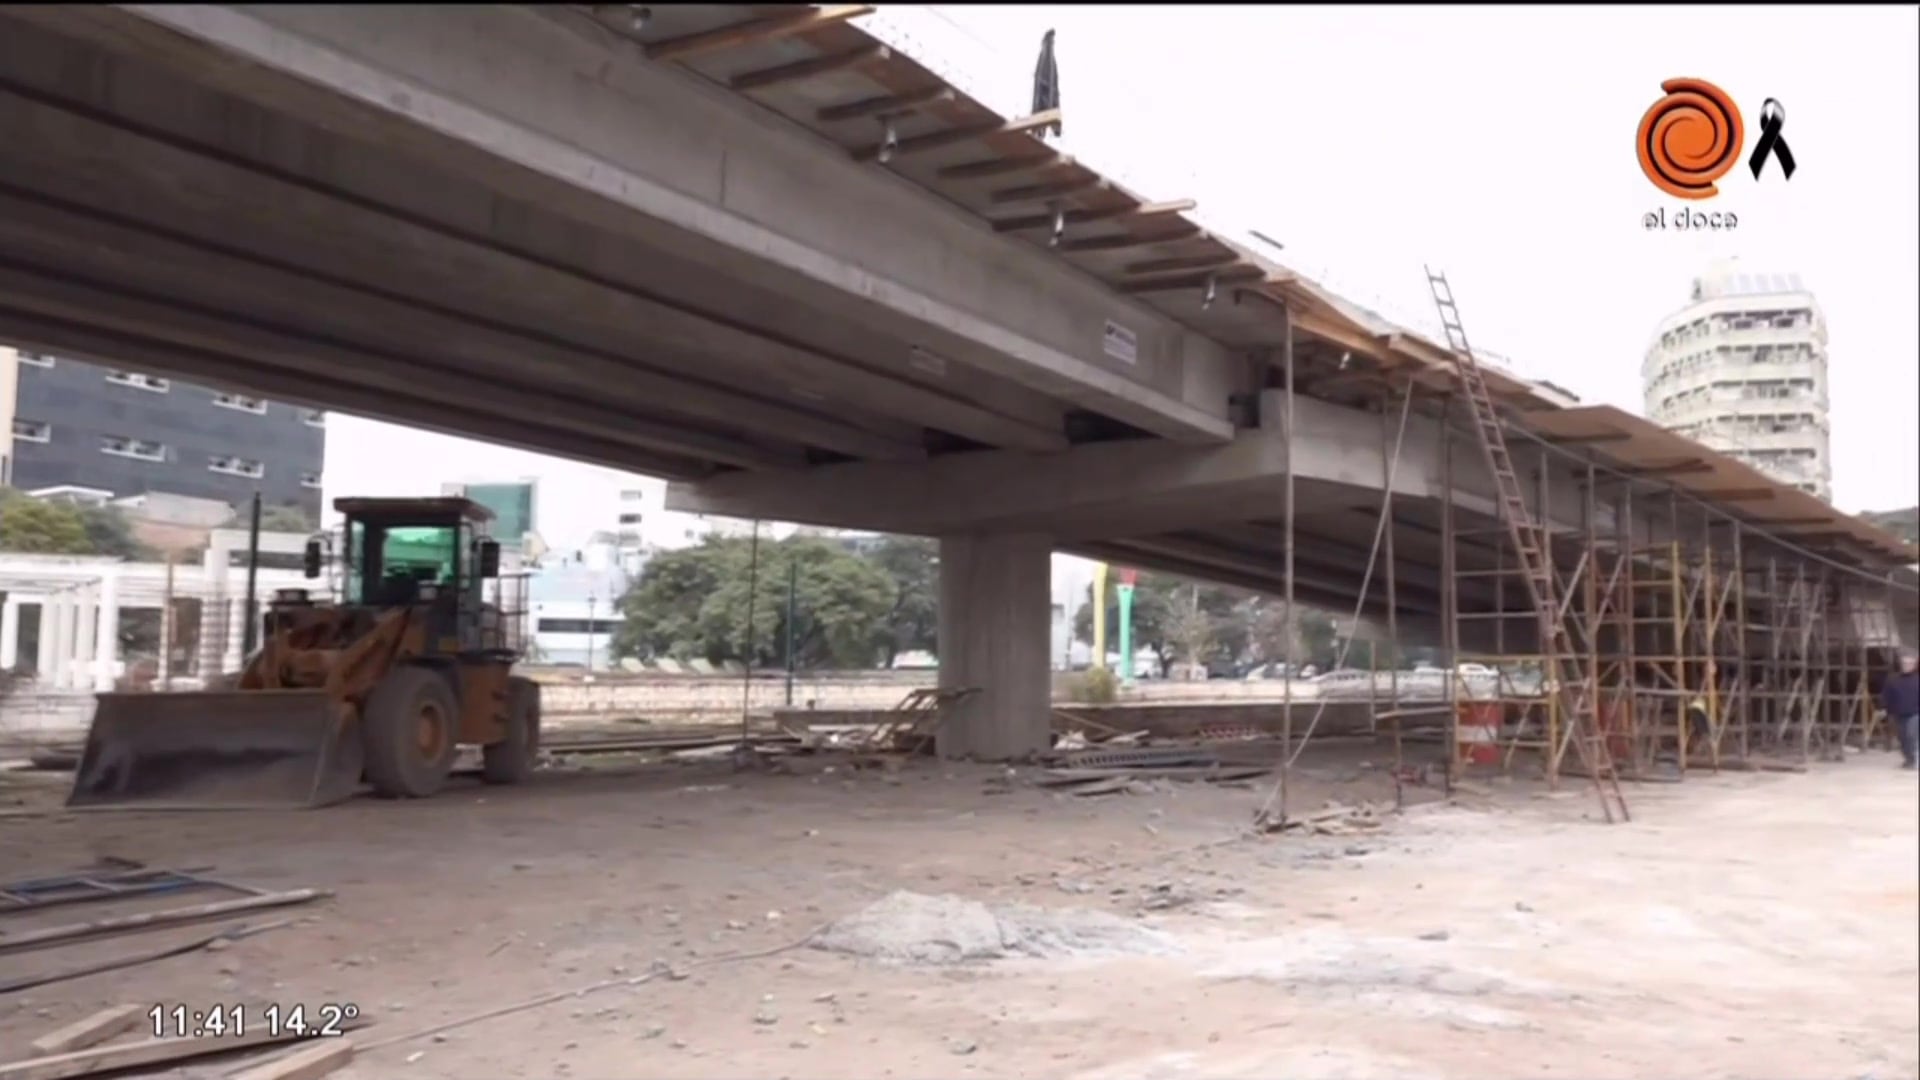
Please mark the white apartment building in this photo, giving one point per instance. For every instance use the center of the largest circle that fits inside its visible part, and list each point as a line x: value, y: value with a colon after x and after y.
x: 1743, y: 369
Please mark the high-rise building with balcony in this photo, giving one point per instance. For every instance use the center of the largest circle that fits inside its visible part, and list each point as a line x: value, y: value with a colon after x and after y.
x: 1743, y: 369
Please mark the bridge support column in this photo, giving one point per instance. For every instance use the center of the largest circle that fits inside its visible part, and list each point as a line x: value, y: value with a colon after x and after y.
x: 995, y: 634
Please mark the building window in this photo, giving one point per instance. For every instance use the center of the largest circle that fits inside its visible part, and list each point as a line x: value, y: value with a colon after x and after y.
x: 32, y: 430
x: 313, y: 417
x: 36, y: 359
x: 142, y: 449
x: 233, y: 466
x: 629, y: 519
x: 241, y: 402
x: 310, y: 480
x: 141, y: 382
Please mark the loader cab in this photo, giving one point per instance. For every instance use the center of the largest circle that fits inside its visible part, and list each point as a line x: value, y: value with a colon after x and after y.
x: 431, y: 553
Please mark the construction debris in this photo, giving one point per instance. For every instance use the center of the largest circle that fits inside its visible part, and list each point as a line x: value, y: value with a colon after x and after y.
x: 125, y: 924
x: 309, y: 1063
x: 1336, y: 819
x: 125, y: 878
x: 88, y: 1031
x: 210, y: 943
x: 150, y: 1052
x: 1117, y: 766
x: 913, y: 928
x: 907, y: 729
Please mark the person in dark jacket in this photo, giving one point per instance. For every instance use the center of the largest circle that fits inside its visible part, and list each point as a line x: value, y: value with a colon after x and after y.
x: 1901, y: 698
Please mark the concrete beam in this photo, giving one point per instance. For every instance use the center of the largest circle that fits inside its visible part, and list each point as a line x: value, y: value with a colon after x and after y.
x: 1125, y: 483
x: 420, y: 408
x: 252, y: 226
x: 580, y: 122
x: 1123, y: 488
x: 34, y: 293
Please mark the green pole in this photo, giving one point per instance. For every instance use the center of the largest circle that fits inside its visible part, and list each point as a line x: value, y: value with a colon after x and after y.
x: 1126, y: 632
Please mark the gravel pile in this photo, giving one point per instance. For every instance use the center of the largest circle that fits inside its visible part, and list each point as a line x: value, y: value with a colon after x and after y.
x: 913, y: 928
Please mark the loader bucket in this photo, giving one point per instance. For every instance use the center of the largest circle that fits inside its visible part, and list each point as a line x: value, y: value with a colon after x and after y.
x: 235, y: 749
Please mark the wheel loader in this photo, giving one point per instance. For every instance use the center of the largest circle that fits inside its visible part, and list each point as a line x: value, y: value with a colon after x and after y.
x: 384, y: 684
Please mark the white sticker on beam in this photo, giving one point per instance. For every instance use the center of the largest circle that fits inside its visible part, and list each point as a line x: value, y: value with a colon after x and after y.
x: 1120, y: 343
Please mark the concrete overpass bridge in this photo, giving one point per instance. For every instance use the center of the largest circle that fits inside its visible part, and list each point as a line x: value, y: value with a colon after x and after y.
x: 761, y: 253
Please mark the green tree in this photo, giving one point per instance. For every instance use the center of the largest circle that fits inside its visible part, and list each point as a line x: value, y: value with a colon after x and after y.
x: 1154, y: 600
x: 913, y: 623
x: 30, y: 525
x: 109, y: 532
x: 1317, y: 634
x: 1191, y: 627
x: 694, y: 602
x: 286, y: 517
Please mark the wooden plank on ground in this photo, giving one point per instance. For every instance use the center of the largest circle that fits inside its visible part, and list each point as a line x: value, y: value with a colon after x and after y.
x: 1061, y: 777
x: 310, y: 1063
x: 105, y: 1059
x: 90, y: 1031
x: 124, y: 924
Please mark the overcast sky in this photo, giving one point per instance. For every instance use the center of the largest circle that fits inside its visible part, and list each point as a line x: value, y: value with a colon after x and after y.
x: 1494, y: 143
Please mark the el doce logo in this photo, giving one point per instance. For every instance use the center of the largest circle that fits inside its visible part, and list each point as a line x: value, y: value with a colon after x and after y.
x: 1692, y: 137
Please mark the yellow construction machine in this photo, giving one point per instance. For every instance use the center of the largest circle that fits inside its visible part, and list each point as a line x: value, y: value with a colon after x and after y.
x: 384, y: 684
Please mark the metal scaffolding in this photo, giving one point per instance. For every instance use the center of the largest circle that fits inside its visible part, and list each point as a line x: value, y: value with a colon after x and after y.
x: 1679, y: 635
x: 1700, y: 642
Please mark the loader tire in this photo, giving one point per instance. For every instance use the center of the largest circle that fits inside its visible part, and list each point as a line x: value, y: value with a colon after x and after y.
x: 510, y: 761
x: 411, y: 727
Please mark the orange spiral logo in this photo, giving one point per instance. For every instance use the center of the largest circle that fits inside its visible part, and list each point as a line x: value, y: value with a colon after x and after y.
x: 1690, y: 138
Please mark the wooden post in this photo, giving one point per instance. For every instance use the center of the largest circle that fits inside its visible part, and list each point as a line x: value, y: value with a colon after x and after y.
x: 1449, y: 599
x: 1293, y: 616
x: 1387, y: 452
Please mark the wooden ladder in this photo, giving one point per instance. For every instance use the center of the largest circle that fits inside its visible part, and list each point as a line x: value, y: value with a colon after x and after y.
x: 1533, y: 545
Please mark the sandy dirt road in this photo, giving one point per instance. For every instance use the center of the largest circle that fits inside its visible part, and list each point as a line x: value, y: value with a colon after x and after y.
x: 1742, y: 926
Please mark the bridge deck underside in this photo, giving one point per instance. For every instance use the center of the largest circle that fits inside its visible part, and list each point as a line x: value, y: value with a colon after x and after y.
x: 242, y: 240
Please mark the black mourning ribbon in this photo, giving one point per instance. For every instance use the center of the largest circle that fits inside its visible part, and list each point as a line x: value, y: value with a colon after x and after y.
x: 1772, y: 116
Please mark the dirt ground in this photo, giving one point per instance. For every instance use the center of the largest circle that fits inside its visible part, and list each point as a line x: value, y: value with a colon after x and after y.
x: 1742, y: 926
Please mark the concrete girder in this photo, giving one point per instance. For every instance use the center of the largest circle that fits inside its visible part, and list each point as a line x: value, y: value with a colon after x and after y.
x: 1259, y: 565
x: 27, y: 293
x: 264, y: 219
x: 1119, y: 483
x: 1323, y: 593
x: 575, y: 121
x: 420, y: 408
x: 1123, y: 488
x: 1345, y: 557
x: 127, y: 257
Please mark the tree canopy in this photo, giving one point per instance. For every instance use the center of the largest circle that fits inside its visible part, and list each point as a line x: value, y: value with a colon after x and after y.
x: 1192, y: 622
x: 693, y: 602
x: 41, y: 527
x: 286, y: 517
x: 913, y: 623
